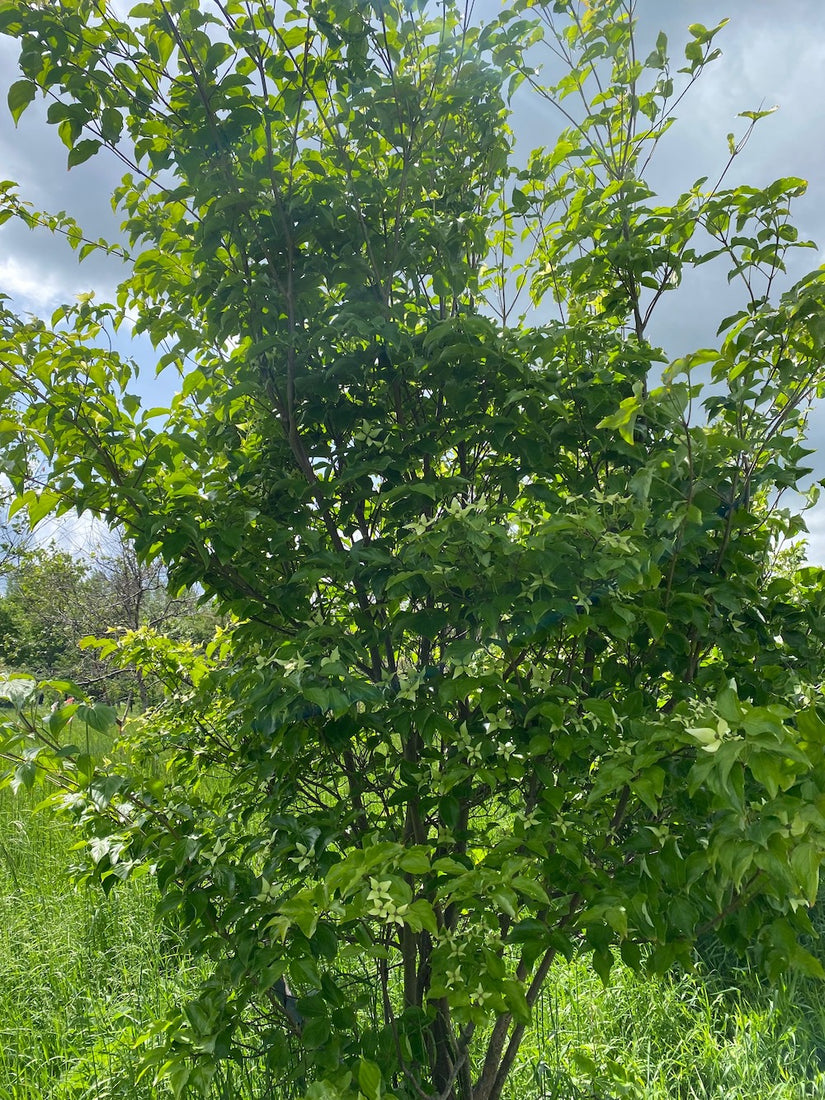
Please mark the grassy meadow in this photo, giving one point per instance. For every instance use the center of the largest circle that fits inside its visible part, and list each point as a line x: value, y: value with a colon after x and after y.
x: 81, y: 975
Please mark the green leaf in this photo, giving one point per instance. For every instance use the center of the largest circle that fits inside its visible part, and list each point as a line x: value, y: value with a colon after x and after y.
x: 99, y: 717
x: 520, y: 201
x: 421, y: 915
x: 808, y: 964
x: 82, y: 151
x: 756, y: 115
x: 505, y: 900
x: 603, y: 963
x: 805, y: 863
x: 631, y: 954
x: 624, y: 419
x: 111, y: 124
x: 516, y: 999
x: 315, y: 1033
x: 324, y: 941
x: 767, y: 770
x: 369, y: 1079
x: 649, y: 786
x: 301, y: 911
x: 583, y: 1061
x: 19, y: 690
x: 20, y: 95
x: 449, y: 809
x: 415, y: 861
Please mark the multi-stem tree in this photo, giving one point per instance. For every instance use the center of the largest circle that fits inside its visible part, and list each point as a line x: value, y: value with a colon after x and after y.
x: 513, y: 672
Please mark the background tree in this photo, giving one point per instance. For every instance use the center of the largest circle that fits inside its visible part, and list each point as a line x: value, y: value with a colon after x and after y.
x: 513, y: 673
x: 47, y: 607
x: 137, y: 595
x: 15, y: 537
x: 53, y: 601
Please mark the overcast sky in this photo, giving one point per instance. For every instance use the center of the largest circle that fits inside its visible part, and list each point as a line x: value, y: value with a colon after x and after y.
x: 773, y: 52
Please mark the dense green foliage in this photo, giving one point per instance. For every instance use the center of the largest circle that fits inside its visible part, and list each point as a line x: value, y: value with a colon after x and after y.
x: 81, y: 975
x: 513, y: 671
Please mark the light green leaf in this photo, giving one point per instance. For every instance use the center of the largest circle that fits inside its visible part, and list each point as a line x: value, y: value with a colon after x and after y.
x: 369, y: 1079
x: 20, y: 95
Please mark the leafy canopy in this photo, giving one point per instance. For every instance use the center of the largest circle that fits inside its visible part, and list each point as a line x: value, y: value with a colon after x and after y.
x: 516, y: 668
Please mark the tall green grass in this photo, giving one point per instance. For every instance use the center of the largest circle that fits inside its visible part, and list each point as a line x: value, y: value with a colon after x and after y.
x: 81, y: 975
x: 691, y: 1038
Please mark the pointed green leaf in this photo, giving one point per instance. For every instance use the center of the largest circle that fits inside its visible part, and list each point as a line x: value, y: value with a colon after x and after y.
x: 21, y: 94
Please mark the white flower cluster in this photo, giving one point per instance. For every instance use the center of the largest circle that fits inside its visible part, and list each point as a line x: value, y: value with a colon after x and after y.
x: 409, y: 685
x: 456, y: 509
x: 304, y: 857
x: 498, y: 721
x: 333, y: 659
x: 382, y: 904
x: 454, y: 976
x: 269, y: 891
x: 472, y: 749
x: 457, y: 950
x: 371, y: 434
